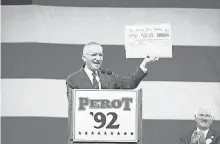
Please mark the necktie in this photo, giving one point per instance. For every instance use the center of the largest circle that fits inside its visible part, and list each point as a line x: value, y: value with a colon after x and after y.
x: 95, y: 82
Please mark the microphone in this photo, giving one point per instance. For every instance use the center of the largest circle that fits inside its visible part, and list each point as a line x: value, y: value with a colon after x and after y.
x: 110, y: 73
x: 103, y: 71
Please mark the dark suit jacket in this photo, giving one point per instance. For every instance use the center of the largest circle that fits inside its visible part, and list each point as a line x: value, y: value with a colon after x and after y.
x: 212, y: 134
x: 80, y: 80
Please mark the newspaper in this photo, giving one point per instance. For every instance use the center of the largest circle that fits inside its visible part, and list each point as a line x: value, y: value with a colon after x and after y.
x: 154, y: 39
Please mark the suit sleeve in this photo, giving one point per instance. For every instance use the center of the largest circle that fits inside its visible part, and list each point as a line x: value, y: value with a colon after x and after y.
x: 185, y: 139
x: 130, y: 82
x: 70, y: 85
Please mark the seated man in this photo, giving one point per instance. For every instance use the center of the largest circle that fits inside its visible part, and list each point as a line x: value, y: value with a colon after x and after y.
x: 203, y: 133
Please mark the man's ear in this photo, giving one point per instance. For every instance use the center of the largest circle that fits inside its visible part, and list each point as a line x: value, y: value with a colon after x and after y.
x: 83, y: 58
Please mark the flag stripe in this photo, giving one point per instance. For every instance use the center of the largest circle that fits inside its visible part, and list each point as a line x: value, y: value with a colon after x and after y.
x: 16, y: 2
x: 130, y: 3
x: 177, y: 98
x: 67, y: 25
x: 119, y: 3
x: 57, y: 61
x: 41, y: 130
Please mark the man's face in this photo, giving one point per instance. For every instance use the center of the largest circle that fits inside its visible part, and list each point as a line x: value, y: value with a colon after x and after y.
x: 93, y: 57
x: 203, y: 119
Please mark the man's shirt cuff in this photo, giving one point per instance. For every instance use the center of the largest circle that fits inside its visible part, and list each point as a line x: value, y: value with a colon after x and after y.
x: 143, y: 69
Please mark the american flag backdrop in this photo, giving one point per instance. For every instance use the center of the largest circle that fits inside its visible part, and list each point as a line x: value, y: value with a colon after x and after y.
x: 42, y: 43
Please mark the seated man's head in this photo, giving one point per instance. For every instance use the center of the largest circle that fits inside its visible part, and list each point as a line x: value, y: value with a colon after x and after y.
x: 93, y: 55
x: 203, y: 118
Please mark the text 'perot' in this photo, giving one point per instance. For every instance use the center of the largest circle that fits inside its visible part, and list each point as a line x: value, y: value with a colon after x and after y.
x: 105, y: 103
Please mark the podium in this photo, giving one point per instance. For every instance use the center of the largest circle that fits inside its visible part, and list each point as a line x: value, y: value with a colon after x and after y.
x: 105, y: 116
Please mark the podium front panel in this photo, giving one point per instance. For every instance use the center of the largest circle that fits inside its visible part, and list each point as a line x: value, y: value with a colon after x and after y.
x: 105, y: 115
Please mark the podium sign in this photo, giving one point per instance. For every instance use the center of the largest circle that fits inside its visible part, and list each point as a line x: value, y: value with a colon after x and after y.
x: 105, y: 115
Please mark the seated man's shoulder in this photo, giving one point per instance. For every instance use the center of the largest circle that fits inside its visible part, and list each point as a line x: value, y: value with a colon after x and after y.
x: 216, y: 132
x: 187, y: 134
x: 215, y: 136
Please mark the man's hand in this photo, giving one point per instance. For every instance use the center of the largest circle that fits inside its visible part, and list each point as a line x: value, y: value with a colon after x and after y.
x: 195, y: 137
x: 148, y: 59
x: 202, y: 139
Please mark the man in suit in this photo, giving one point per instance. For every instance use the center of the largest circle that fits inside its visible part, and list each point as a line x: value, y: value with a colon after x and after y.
x: 92, y: 76
x: 203, y: 133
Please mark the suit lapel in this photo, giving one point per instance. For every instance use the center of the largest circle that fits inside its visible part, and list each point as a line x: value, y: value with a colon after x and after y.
x: 103, y: 80
x: 210, y: 134
x: 101, y: 76
x: 85, y: 79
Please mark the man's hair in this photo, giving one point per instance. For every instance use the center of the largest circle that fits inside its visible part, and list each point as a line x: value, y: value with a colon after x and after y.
x: 87, y: 46
x: 203, y: 109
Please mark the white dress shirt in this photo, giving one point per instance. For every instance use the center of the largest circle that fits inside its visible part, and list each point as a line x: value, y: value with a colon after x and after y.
x: 89, y: 73
x: 204, y: 131
x: 143, y: 69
